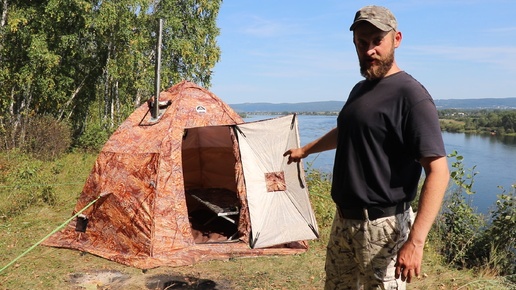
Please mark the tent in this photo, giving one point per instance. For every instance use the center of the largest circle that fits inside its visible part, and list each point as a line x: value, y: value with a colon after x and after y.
x: 194, y: 184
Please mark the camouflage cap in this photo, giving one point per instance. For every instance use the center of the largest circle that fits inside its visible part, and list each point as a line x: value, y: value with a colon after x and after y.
x: 378, y: 16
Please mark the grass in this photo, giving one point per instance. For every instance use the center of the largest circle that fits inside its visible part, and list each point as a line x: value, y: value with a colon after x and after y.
x: 53, y: 268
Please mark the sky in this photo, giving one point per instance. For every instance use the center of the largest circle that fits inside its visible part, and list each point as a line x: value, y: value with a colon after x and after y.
x: 292, y: 51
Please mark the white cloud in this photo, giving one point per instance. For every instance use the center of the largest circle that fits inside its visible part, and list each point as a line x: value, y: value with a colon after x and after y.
x: 502, y: 30
x: 499, y: 56
x: 260, y: 27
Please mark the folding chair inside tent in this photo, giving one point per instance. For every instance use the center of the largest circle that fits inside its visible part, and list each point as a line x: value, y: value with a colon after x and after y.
x: 222, y: 202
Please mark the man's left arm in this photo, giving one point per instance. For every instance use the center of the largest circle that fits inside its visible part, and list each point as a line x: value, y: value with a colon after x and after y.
x: 410, y: 256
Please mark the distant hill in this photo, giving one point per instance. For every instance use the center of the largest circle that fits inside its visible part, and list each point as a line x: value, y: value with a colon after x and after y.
x: 335, y: 106
x: 327, y: 106
x: 486, y: 103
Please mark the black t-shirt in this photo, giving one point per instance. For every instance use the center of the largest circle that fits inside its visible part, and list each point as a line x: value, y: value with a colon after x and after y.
x: 384, y: 128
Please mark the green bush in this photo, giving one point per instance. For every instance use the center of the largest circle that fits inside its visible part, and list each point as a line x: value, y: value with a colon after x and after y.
x: 46, y: 138
x: 461, y: 227
x: 453, y: 127
x: 496, y: 249
x: 465, y: 238
x: 319, y: 186
x: 24, y: 183
x: 93, y: 138
x: 40, y: 136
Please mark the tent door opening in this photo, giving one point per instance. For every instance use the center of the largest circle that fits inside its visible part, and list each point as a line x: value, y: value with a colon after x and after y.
x: 210, y: 184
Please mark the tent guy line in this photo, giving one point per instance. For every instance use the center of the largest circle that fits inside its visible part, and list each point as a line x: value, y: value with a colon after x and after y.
x: 54, y: 231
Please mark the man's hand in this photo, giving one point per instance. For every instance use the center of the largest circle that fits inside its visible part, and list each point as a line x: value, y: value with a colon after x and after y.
x: 326, y: 142
x: 408, y: 262
x: 294, y: 155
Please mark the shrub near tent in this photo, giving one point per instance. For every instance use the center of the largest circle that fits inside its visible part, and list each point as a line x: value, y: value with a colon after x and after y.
x: 196, y: 184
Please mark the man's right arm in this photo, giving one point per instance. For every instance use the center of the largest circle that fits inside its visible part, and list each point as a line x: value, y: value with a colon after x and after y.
x: 326, y: 142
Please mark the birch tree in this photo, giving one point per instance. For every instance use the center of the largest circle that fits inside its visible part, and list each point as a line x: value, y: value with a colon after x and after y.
x: 92, y: 61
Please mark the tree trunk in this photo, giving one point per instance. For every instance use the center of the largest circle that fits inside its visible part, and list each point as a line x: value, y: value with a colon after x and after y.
x: 4, y: 13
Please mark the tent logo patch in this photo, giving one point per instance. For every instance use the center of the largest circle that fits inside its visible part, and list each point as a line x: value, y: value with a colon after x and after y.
x: 200, y: 109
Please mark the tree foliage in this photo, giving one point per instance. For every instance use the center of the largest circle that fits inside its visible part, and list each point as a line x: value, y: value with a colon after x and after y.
x: 74, y: 59
x: 479, y: 121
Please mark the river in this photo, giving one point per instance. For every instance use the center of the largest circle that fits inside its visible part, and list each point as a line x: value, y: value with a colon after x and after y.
x: 492, y: 157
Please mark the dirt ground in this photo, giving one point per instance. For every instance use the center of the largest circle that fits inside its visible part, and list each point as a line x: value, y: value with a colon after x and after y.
x: 114, y: 280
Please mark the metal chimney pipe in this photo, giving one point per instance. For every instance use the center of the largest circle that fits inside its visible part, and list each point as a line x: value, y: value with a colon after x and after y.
x: 157, y: 82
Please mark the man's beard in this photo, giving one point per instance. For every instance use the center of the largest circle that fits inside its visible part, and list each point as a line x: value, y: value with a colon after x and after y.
x: 378, y: 71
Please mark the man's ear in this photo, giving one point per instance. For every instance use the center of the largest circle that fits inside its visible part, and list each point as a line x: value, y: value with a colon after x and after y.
x: 397, y: 39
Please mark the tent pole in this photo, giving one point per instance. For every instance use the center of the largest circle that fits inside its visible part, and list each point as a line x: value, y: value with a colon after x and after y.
x: 157, y: 83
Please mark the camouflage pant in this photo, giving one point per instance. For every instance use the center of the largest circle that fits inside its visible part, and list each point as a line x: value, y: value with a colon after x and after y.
x: 362, y: 254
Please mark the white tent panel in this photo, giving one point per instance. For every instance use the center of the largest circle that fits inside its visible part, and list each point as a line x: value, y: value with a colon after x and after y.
x: 279, y: 205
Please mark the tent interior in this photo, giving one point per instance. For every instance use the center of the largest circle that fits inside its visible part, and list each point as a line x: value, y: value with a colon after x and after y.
x: 208, y: 161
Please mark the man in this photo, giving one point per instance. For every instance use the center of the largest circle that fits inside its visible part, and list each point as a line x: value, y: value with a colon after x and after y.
x: 387, y: 132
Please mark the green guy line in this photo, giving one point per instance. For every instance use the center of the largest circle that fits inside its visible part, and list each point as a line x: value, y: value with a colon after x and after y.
x: 47, y: 236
